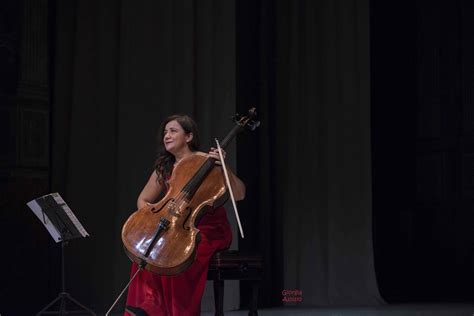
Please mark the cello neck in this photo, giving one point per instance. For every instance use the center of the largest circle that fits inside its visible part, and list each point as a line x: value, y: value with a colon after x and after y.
x: 235, y: 130
x: 193, y: 184
x: 241, y: 122
x: 190, y: 188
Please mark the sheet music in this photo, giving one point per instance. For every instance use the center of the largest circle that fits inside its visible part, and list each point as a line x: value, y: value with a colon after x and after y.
x: 34, y: 206
x: 48, y: 223
x: 70, y: 214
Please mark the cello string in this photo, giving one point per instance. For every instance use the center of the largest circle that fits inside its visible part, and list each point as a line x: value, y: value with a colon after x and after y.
x: 181, y: 197
x: 182, y: 194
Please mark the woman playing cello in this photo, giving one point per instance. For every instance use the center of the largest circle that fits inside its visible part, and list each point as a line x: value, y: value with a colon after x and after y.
x: 152, y: 294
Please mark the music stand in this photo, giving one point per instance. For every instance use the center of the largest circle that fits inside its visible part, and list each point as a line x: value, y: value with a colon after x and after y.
x: 63, y: 226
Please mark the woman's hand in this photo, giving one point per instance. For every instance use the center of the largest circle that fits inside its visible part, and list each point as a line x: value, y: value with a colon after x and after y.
x: 237, y: 185
x: 214, y: 153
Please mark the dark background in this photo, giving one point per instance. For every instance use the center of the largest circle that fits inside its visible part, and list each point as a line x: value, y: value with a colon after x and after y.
x: 422, y: 136
x: 359, y: 101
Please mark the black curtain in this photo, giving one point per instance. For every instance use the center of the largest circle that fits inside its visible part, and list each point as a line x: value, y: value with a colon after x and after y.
x: 117, y: 68
x: 121, y: 67
x: 421, y: 62
x: 88, y: 131
x: 306, y: 64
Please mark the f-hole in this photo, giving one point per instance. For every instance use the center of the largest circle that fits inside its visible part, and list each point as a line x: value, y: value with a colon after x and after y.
x: 154, y: 210
x: 188, y: 210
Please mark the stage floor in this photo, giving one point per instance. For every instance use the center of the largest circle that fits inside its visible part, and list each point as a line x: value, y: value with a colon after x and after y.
x: 388, y: 310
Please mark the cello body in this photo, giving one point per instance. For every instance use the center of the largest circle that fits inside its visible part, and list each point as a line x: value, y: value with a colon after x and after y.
x: 174, y: 249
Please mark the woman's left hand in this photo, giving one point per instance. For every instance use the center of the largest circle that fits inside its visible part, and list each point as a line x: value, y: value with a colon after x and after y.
x: 214, y: 153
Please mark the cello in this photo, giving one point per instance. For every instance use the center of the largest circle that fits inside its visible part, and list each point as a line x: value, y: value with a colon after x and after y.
x: 162, y: 237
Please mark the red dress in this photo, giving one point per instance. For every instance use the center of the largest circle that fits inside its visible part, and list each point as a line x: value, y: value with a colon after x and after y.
x: 181, y: 295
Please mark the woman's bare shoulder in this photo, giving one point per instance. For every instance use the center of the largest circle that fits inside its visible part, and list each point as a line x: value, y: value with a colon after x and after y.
x: 200, y: 153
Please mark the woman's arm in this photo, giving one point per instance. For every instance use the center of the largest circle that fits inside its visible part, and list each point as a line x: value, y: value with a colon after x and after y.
x: 238, y: 187
x: 150, y: 192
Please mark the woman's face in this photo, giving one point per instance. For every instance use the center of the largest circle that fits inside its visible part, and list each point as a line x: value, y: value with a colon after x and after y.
x: 175, y: 138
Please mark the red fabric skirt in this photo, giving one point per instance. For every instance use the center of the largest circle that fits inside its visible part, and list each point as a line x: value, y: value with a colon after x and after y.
x: 181, y: 295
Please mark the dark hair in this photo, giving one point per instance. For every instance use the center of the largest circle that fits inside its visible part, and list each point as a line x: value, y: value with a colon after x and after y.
x: 165, y: 160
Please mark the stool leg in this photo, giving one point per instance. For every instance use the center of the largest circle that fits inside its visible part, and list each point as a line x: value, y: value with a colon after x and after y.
x: 219, y: 297
x: 254, y: 300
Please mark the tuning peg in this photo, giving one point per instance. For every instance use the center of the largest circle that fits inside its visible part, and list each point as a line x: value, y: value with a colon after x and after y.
x: 253, y: 125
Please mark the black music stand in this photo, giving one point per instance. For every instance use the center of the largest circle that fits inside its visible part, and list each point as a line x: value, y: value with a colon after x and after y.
x: 63, y: 226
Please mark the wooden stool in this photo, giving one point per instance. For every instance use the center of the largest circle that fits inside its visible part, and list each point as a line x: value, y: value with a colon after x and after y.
x: 233, y: 265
